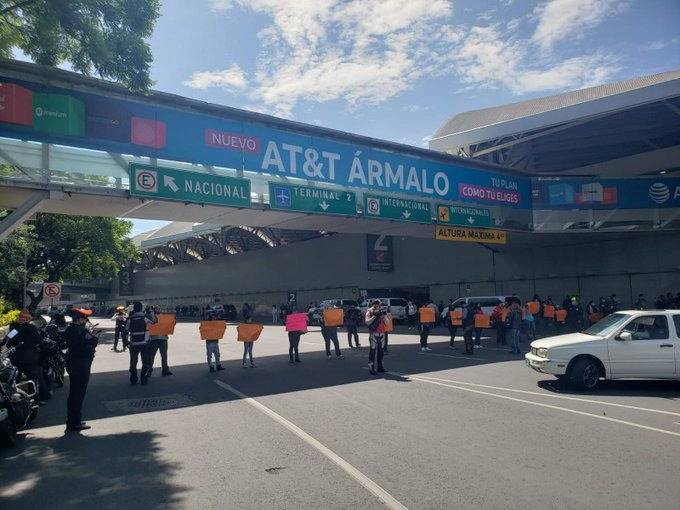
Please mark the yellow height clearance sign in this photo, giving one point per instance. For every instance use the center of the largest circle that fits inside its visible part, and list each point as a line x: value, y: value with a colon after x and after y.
x: 471, y: 235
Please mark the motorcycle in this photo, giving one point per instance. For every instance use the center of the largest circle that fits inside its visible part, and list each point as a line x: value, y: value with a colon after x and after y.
x: 18, y: 401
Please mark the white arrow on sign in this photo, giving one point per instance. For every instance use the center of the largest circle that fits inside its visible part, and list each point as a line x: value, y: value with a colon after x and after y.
x: 471, y: 220
x: 407, y: 214
x: 324, y: 205
x: 170, y: 183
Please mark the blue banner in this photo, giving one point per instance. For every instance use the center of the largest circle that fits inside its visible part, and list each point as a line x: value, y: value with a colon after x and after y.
x: 634, y: 193
x: 35, y: 111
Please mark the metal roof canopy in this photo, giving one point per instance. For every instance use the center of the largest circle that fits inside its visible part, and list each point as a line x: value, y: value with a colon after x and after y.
x: 577, y: 132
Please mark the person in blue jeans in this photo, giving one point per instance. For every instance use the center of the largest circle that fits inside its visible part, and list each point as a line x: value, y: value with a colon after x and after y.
x: 514, y: 324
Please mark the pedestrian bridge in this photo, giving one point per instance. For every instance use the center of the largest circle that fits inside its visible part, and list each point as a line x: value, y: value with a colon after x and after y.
x: 76, y: 145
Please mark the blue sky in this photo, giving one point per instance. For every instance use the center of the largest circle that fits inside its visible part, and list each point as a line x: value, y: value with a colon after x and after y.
x: 397, y: 69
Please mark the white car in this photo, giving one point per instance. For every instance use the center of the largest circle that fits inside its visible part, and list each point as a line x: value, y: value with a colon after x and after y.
x: 398, y: 306
x: 487, y: 303
x: 633, y: 344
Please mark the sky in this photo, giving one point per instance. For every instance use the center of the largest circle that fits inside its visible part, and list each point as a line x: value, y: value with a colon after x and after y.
x: 397, y: 69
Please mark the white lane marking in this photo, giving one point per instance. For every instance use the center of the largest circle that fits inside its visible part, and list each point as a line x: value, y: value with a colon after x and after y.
x: 549, y: 395
x: 448, y: 356
x: 548, y: 406
x: 369, y: 484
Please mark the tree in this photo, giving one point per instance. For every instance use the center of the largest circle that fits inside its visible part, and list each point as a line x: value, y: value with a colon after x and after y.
x: 57, y: 247
x: 107, y: 36
x: 13, y: 254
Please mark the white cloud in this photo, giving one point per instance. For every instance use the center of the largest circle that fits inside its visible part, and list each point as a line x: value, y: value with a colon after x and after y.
x: 491, y: 58
x: 660, y: 45
x: 562, y: 19
x: 368, y: 51
x: 230, y: 78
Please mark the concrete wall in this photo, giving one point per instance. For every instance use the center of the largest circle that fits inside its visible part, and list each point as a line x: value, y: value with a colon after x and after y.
x: 335, y: 267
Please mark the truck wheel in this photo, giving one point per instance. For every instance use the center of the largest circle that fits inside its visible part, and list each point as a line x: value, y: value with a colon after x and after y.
x: 8, y: 434
x: 584, y: 375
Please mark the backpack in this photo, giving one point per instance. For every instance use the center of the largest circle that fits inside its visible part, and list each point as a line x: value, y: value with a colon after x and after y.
x: 137, y: 329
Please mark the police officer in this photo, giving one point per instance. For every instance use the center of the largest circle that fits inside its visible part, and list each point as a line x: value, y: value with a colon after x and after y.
x: 25, y: 338
x: 81, y: 346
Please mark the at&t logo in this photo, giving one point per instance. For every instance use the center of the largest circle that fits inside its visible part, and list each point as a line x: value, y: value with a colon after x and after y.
x: 659, y: 192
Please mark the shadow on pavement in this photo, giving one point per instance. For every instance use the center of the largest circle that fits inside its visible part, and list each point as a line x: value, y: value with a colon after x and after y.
x: 110, y: 393
x: 78, y: 471
x: 667, y: 389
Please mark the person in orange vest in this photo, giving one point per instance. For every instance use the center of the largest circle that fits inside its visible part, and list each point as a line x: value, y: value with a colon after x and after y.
x: 425, y: 328
x: 499, y: 323
x: 446, y: 315
x: 468, y: 327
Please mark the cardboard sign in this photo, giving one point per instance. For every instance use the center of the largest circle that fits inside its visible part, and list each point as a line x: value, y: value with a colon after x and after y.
x: 333, y: 317
x: 594, y: 317
x: 389, y: 324
x: 534, y: 307
x: 561, y: 315
x: 549, y: 311
x: 482, y: 321
x: 249, y: 332
x: 426, y: 315
x: 165, y: 325
x: 296, y: 322
x: 212, y: 330
x: 456, y: 317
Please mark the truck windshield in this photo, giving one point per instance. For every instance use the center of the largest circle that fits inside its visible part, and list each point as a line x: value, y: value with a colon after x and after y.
x: 608, y: 325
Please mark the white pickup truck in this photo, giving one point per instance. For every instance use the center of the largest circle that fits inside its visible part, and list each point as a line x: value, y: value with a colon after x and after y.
x: 633, y: 344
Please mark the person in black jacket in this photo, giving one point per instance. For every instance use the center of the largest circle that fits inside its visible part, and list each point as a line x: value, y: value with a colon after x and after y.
x: 353, y: 320
x: 81, y: 346
x: 25, y: 338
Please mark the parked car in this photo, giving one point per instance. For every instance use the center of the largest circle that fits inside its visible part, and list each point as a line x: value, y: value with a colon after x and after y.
x: 337, y: 303
x: 488, y: 303
x: 398, y: 306
x: 223, y: 312
x: 640, y: 344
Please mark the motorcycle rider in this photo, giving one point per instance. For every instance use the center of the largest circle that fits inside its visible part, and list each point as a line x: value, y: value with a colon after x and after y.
x: 81, y: 347
x: 121, y: 318
x: 26, y: 338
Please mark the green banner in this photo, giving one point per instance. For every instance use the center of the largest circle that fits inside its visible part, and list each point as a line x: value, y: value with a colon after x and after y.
x: 199, y: 188
x: 291, y: 197
x: 402, y: 209
x: 463, y: 215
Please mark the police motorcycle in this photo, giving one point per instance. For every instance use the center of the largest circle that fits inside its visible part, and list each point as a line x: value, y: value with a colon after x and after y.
x: 18, y: 400
x: 54, y: 348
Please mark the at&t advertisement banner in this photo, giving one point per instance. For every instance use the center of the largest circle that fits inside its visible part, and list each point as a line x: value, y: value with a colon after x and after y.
x: 606, y: 193
x: 41, y: 112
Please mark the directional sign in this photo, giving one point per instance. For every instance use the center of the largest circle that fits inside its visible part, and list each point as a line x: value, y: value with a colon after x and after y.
x: 467, y: 216
x: 52, y: 291
x: 470, y: 235
x: 397, y: 209
x: 199, y: 188
x: 291, y: 197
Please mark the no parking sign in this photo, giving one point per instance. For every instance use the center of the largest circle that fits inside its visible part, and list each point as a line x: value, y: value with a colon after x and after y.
x: 52, y: 291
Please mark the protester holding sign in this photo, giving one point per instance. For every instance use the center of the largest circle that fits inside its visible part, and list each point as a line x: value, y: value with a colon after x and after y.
x: 332, y: 318
x: 212, y: 331
x: 158, y: 338
x: 248, y: 334
x: 296, y: 326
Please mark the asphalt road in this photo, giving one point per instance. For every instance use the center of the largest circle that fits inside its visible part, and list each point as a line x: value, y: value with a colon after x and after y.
x: 441, y: 430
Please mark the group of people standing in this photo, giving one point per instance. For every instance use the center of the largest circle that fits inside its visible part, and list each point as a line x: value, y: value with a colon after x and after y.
x: 133, y: 330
